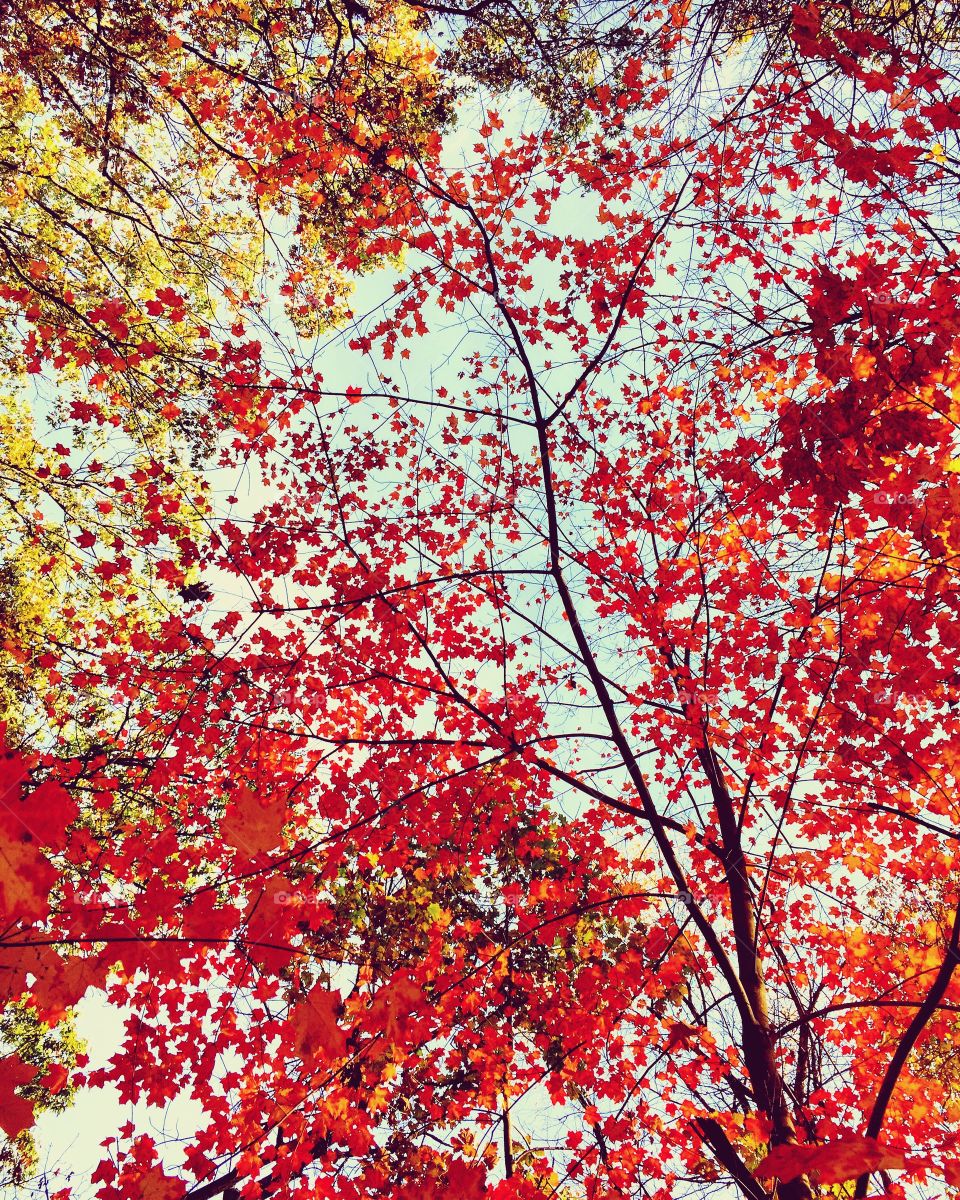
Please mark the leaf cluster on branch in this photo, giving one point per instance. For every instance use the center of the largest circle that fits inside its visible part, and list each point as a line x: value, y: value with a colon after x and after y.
x: 479, y: 597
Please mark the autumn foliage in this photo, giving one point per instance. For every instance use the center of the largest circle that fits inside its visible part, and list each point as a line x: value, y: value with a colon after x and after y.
x: 480, y: 599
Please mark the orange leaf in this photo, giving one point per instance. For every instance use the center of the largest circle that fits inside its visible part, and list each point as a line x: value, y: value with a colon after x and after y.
x: 58, y: 981
x: 392, y: 1007
x: 157, y: 1185
x: 16, y: 1113
x: 55, y: 1078
x: 253, y: 824
x: 27, y: 823
x: 683, y: 1035
x: 26, y: 879
x: 833, y: 1163
x: 315, y: 1026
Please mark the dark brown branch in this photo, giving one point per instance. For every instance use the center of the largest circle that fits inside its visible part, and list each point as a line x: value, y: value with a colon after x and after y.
x: 723, y: 1151
x: 912, y: 1034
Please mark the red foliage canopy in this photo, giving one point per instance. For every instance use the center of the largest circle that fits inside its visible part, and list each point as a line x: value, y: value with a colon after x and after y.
x: 568, y: 742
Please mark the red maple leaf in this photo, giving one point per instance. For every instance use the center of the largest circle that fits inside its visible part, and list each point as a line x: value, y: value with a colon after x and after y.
x: 16, y: 1113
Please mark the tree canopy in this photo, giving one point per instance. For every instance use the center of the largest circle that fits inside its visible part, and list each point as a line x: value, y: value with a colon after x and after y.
x: 481, y: 504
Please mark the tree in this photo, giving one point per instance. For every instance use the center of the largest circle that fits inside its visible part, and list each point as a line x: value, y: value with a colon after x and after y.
x: 580, y: 735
